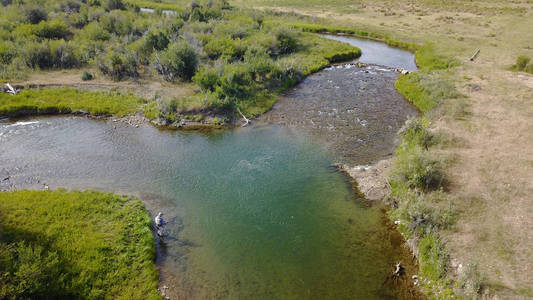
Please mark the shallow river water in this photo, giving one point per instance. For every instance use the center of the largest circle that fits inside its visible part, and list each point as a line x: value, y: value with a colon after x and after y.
x: 253, y: 213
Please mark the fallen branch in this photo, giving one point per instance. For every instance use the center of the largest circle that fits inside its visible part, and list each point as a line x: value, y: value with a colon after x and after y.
x: 475, y: 55
x: 11, y: 90
x: 246, y: 121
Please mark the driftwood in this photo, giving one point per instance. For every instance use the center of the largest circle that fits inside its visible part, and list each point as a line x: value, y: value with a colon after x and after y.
x: 11, y: 90
x: 246, y: 120
x: 475, y: 55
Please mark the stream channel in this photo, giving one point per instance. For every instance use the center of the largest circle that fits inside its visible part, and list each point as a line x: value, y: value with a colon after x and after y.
x: 256, y: 212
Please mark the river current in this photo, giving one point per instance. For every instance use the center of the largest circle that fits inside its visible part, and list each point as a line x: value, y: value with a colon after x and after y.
x: 253, y: 213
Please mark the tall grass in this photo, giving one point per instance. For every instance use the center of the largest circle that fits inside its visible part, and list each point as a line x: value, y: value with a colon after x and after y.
x: 75, y: 245
x: 67, y: 100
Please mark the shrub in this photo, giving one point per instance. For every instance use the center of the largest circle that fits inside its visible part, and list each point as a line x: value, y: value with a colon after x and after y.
x: 8, y: 51
x: 63, y: 54
x: 235, y: 83
x: 259, y: 64
x: 179, y: 61
x: 207, y: 79
x: 205, y: 13
x: 86, y: 76
x: 158, y: 41
x: 95, y: 32
x: 287, y: 41
x: 417, y: 169
x: 35, y: 14
x: 224, y: 48
x: 118, y: 65
x: 38, y: 55
x: 54, y: 29
x: 521, y: 62
x: 414, y: 132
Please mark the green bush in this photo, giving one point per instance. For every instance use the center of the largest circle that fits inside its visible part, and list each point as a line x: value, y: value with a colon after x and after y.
x: 414, y: 132
x: 224, y: 48
x: 54, y: 29
x: 8, y: 51
x: 179, y: 61
x: 157, y: 40
x: 52, y: 54
x: 207, y: 78
x: 521, y: 62
x: 287, y: 41
x: 417, y: 169
x: 86, y: 76
x: 235, y: 83
x: 118, y: 65
x: 95, y: 32
x: 35, y: 14
x: 38, y: 55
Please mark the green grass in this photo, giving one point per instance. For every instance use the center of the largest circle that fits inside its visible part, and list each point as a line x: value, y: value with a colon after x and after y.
x: 75, y: 245
x: 67, y: 100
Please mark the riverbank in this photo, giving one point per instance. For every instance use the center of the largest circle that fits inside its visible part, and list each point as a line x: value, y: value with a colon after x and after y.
x: 478, y: 114
x: 75, y: 245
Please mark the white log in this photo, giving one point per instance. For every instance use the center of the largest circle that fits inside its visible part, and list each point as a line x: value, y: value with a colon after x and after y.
x: 475, y: 55
x: 11, y: 90
x: 246, y: 121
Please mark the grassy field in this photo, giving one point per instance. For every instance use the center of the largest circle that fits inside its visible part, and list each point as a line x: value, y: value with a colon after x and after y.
x: 478, y: 132
x: 75, y: 245
x: 67, y: 100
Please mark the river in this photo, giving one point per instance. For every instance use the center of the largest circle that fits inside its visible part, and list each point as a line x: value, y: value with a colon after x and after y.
x: 253, y: 213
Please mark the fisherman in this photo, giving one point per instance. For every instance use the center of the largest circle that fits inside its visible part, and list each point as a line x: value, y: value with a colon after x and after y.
x: 159, y: 220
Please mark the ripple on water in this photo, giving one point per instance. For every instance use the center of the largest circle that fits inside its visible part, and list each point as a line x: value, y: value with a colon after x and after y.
x: 356, y: 111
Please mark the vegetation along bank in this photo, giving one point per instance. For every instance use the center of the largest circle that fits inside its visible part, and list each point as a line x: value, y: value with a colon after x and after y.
x: 201, y: 64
